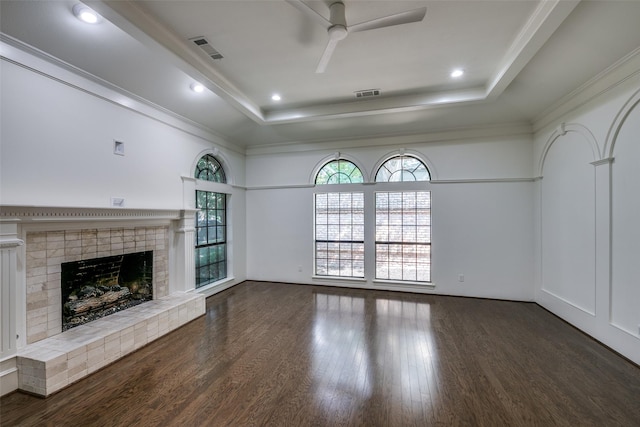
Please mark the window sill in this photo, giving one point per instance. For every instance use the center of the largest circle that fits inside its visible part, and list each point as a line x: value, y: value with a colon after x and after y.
x: 215, y: 287
x: 350, y: 279
x: 400, y: 283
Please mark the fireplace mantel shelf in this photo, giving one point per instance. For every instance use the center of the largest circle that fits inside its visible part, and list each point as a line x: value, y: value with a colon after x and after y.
x: 45, y: 213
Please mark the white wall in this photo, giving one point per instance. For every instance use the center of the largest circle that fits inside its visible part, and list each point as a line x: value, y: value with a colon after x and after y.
x: 482, y: 212
x: 588, y: 234
x: 56, y: 148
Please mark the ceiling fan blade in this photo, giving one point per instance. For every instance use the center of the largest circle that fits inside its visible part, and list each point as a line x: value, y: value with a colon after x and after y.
x: 311, y: 13
x: 407, y: 17
x: 326, y: 56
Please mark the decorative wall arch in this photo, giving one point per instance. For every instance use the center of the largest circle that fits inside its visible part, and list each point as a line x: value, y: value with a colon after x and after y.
x: 562, y: 130
x: 617, y: 124
x: 401, y: 152
x: 215, y: 152
x: 337, y: 156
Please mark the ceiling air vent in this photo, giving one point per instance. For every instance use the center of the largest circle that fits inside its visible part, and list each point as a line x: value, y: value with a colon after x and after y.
x: 203, y: 44
x: 367, y: 93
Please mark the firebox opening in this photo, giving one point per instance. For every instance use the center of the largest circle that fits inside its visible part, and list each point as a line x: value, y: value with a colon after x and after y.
x: 98, y: 287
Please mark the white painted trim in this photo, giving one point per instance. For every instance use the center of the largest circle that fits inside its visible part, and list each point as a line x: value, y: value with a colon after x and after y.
x: 36, y: 214
x: 562, y: 130
x: 476, y: 133
x: 341, y: 278
x: 216, y: 287
x: 616, y: 125
x: 625, y: 330
x: 601, y: 162
x: 404, y: 284
x: 566, y: 301
x: 482, y: 181
x: 625, y: 69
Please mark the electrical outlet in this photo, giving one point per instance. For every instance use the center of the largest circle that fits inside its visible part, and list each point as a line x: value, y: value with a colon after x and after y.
x: 300, y: 269
x: 460, y: 277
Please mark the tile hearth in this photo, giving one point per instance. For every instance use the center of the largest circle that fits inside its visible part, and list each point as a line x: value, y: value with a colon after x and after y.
x: 51, y: 364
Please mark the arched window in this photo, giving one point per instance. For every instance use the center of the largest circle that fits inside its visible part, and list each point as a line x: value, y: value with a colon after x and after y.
x: 339, y: 222
x: 211, y: 224
x: 403, y: 168
x: 210, y: 169
x: 403, y: 222
x: 339, y: 172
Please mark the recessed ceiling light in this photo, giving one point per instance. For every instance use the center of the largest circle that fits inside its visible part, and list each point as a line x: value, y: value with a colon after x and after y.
x: 197, y: 87
x: 457, y: 73
x: 85, y: 14
x: 276, y: 97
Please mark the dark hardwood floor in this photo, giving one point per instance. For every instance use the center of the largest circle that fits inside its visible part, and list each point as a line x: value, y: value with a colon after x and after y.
x: 292, y: 355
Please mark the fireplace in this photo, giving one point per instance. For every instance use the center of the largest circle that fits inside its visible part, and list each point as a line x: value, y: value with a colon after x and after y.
x: 98, y: 287
x: 47, y: 251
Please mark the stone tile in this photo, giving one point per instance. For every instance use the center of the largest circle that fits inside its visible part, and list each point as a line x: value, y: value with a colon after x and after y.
x: 72, y: 235
x: 38, y: 271
x: 55, y: 236
x: 72, y: 252
x: 57, y: 382
x: 117, y: 248
x: 37, y: 279
x: 37, y: 237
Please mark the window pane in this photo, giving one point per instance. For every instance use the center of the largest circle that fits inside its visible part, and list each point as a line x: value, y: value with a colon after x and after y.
x: 339, y: 172
x: 209, y: 169
x: 211, y: 237
x: 339, y: 233
x: 402, y: 247
x: 402, y: 168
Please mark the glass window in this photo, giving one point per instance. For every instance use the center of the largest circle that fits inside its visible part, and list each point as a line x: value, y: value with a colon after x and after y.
x: 403, y: 168
x: 211, y: 237
x: 339, y: 172
x: 403, y: 236
x: 339, y: 234
x: 210, y: 169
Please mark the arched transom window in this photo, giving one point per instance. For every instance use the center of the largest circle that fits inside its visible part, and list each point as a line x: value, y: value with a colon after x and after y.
x: 402, y: 168
x: 339, y: 172
x: 210, y: 169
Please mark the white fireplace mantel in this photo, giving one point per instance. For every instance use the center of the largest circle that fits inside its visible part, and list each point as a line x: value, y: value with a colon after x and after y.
x: 35, y: 240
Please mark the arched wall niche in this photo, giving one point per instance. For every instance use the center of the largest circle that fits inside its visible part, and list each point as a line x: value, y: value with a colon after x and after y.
x: 567, y: 200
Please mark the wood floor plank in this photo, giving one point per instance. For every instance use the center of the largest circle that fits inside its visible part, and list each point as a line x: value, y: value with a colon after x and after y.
x: 273, y: 354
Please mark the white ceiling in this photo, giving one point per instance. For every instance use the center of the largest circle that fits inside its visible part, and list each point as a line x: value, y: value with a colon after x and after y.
x: 519, y: 57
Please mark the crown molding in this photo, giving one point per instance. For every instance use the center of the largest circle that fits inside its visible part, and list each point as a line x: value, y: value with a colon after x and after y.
x: 134, y: 19
x: 444, y: 135
x: 622, y: 71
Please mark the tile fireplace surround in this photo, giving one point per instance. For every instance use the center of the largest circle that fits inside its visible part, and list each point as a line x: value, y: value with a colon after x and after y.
x: 35, y: 242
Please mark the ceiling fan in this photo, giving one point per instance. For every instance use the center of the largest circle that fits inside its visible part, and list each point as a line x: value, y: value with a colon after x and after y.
x: 338, y: 29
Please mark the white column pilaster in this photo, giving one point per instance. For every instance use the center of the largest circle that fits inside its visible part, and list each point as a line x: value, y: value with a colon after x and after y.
x: 184, y: 247
x: 603, y: 241
x: 9, y: 295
